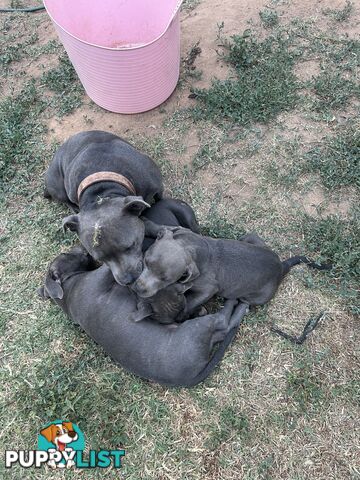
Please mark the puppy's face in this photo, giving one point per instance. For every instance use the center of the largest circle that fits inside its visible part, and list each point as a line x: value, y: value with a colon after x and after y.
x: 65, y: 264
x: 165, y: 306
x: 113, y: 233
x: 60, y: 434
x: 166, y: 262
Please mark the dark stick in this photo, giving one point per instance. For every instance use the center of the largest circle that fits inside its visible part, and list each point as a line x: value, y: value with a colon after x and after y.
x: 309, y: 327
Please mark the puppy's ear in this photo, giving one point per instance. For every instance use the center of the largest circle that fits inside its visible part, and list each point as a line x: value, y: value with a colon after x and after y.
x: 135, y: 205
x: 53, y: 287
x: 42, y: 293
x: 49, y: 433
x: 165, y: 232
x: 190, y: 274
x: 143, y: 310
x: 71, y: 223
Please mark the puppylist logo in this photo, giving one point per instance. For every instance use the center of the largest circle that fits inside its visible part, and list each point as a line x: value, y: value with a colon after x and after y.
x: 61, y: 445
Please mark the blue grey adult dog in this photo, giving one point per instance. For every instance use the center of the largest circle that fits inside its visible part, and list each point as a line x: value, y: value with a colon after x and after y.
x: 109, y: 183
x: 176, y: 355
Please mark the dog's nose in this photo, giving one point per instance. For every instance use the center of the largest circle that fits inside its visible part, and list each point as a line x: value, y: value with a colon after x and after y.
x: 72, y: 434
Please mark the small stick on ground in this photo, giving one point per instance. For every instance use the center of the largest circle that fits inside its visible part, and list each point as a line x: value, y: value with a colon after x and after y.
x: 309, y: 327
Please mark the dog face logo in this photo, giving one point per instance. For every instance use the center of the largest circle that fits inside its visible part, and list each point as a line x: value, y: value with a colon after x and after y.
x: 60, y: 434
x: 62, y: 445
x: 61, y: 440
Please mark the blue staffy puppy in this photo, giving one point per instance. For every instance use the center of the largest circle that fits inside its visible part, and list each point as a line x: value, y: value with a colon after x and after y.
x: 176, y: 355
x: 109, y: 183
x: 244, y: 269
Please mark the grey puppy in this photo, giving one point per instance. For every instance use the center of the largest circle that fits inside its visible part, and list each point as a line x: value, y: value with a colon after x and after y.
x: 245, y: 269
x: 180, y: 355
x: 108, y: 222
x: 168, y: 303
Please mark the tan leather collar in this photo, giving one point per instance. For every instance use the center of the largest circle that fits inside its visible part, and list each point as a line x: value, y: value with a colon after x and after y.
x: 105, y: 177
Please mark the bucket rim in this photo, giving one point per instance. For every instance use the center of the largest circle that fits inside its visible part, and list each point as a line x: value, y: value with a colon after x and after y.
x: 115, y: 49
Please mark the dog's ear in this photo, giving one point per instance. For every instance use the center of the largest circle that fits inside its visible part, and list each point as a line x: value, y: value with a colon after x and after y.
x: 165, y: 232
x: 68, y: 426
x: 143, y: 310
x: 49, y: 433
x: 190, y: 274
x: 53, y: 286
x: 135, y: 205
x: 71, y: 223
x: 42, y: 293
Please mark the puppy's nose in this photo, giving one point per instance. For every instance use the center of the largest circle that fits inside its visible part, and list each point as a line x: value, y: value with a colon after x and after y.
x: 72, y: 434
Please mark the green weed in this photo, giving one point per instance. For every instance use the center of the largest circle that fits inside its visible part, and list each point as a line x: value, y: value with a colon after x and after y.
x: 333, y: 90
x: 304, y: 387
x: 231, y: 423
x: 337, y: 161
x: 19, y: 127
x: 263, y: 83
x: 189, y: 5
x: 13, y: 52
x: 64, y: 82
x: 342, y: 14
x: 269, y: 18
x: 337, y: 241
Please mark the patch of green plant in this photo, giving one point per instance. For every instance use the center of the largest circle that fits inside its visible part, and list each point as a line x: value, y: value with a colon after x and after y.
x: 333, y: 90
x: 190, y: 4
x: 269, y: 18
x: 262, y: 86
x: 251, y: 358
x: 337, y: 241
x: 13, y: 52
x: 188, y: 63
x: 208, y: 153
x: 218, y: 226
x: 341, y: 14
x: 64, y: 82
x: 231, y: 423
x: 343, y: 53
x: 304, y: 387
x: 264, y: 467
x: 20, y: 128
x: 349, y: 391
x: 337, y: 161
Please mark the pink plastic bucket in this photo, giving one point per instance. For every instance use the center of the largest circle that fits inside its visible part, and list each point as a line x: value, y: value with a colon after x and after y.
x: 125, y: 52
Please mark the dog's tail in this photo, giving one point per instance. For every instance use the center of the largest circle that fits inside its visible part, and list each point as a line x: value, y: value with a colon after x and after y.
x: 215, y: 359
x: 292, y: 261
